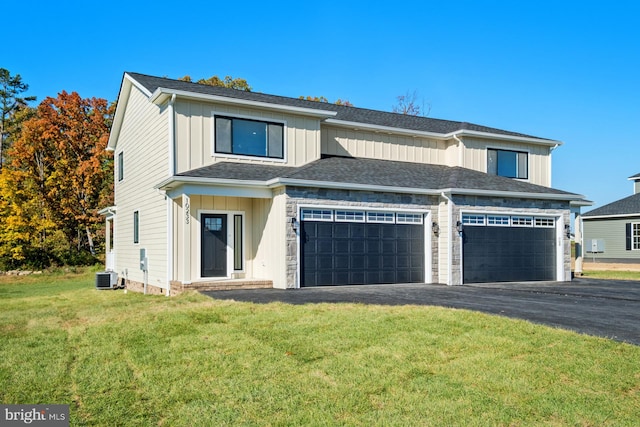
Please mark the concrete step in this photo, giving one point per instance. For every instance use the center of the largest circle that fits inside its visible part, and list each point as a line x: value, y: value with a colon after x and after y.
x: 229, y: 285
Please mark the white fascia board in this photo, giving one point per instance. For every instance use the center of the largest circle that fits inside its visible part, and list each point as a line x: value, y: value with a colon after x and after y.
x: 514, y: 194
x: 178, y: 185
x: 160, y: 94
x: 111, y: 210
x: 525, y: 139
x: 440, y: 136
x: 580, y: 203
x: 586, y: 218
x: 384, y: 129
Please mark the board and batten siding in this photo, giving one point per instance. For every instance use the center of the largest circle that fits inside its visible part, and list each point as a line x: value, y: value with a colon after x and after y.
x: 475, y: 157
x: 217, y: 204
x: 194, y: 135
x: 143, y: 139
x: 269, y: 238
x: 338, y: 141
x: 613, y: 233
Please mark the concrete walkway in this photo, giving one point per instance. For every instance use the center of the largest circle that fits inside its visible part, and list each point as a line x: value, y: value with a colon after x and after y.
x: 605, y: 308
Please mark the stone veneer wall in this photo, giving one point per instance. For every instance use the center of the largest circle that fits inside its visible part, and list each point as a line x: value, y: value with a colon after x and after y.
x: 502, y: 204
x: 353, y: 199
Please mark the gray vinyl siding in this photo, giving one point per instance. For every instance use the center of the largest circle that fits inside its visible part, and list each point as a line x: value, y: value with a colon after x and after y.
x: 143, y: 139
x: 613, y: 232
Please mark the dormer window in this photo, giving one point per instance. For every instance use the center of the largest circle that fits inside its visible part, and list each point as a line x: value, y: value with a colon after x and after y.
x: 246, y: 137
x: 510, y: 164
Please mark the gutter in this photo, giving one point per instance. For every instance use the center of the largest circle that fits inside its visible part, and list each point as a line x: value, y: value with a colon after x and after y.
x: 160, y: 95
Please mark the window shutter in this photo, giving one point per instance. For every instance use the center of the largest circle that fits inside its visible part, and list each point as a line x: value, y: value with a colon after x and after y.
x: 628, y: 235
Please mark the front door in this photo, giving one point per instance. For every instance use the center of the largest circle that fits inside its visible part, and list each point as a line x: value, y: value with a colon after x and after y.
x: 214, y: 245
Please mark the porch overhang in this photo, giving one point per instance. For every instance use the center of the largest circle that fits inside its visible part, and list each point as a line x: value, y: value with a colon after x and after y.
x: 175, y: 186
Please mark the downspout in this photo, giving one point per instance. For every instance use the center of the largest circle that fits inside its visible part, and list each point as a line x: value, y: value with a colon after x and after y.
x: 460, y: 150
x: 550, y: 168
x: 172, y: 172
x: 450, y: 237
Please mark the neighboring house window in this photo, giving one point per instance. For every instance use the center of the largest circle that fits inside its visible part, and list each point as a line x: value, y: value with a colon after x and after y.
x: 136, y: 227
x: 633, y: 236
x: 120, y: 166
x: 249, y: 137
x: 510, y: 164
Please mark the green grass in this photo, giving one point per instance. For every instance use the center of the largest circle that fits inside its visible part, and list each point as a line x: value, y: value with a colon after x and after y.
x: 128, y: 359
x: 612, y: 274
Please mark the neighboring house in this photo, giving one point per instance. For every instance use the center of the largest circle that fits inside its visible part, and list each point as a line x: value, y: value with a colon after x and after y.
x: 612, y: 232
x: 216, y: 185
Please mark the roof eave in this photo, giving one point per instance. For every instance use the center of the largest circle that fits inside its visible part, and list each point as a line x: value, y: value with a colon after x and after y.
x: 515, y: 194
x: 439, y: 136
x: 629, y: 215
x: 516, y: 138
x: 160, y: 96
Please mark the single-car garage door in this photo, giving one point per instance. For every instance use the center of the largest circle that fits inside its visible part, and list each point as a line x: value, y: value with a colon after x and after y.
x: 341, y: 247
x: 502, y: 248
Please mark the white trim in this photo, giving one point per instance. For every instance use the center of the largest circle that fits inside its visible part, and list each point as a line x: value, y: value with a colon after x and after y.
x: 172, y: 136
x: 170, y: 251
x: 619, y: 216
x: 159, y: 96
x: 439, y: 136
x: 267, y: 120
x: 230, y: 243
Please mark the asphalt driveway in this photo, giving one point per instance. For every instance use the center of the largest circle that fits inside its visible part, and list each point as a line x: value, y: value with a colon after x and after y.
x: 604, y: 308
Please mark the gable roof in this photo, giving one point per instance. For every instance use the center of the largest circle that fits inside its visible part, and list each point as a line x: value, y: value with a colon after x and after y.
x: 369, y: 174
x: 155, y: 87
x: 629, y: 206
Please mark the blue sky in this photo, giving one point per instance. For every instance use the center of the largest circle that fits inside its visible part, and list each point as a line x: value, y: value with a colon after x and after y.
x: 564, y: 70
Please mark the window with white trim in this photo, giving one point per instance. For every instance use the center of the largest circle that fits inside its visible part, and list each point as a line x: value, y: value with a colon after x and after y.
x: 120, y: 166
x: 349, y: 216
x: 408, y: 218
x: 635, y: 235
x: 498, y: 220
x: 317, y: 214
x: 522, y: 221
x: 246, y: 137
x: 473, y: 219
x: 387, y: 217
x: 510, y: 164
x: 545, y: 222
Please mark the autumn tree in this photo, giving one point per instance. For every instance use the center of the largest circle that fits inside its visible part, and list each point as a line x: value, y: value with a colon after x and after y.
x: 59, y: 174
x: 323, y: 99
x: 11, y: 87
x: 228, y: 82
x: 410, y: 104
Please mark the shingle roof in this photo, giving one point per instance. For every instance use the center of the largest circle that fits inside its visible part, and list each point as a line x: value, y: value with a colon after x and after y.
x: 348, y: 170
x: 344, y: 113
x: 635, y: 177
x: 627, y: 206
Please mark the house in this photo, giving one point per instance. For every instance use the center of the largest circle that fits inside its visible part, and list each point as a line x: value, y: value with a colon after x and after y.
x: 612, y: 232
x: 220, y: 186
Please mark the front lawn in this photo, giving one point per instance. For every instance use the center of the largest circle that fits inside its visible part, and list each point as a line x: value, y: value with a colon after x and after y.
x: 130, y: 359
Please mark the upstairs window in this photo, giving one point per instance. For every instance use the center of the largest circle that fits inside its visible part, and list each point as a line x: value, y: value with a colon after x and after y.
x: 249, y: 137
x: 510, y: 164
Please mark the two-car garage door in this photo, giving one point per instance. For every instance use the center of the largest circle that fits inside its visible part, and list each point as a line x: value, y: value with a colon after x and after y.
x: 340, y: 247
x: 503, y: 248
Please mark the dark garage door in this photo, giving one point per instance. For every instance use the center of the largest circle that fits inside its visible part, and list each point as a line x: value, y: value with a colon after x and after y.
x: 508, y: 254
x: 343, y: 253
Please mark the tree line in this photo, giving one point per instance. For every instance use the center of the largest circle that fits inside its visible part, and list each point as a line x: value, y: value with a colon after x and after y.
x: 55, y: 172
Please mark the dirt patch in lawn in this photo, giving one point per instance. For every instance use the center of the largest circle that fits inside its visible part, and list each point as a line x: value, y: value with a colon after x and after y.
x: 606, y: 266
